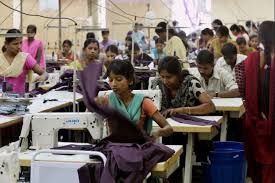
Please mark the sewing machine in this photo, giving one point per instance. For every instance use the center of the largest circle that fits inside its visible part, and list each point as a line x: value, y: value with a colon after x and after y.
x: 44, y: 128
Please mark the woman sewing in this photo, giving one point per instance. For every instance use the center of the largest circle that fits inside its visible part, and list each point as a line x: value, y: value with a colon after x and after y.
x: 14, y: 64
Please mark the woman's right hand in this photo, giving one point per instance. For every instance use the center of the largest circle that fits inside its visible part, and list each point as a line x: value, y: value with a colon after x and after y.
x: 169, y: 112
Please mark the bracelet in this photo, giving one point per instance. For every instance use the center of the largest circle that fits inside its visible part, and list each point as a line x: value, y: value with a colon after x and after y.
x: 189, y: 111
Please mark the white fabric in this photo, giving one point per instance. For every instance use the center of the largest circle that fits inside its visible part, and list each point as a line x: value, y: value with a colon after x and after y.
x: 221, y: 80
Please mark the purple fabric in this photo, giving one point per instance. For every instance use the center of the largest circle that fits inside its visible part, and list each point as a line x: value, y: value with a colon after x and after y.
x: 128, y: 163
x: 191, y: 120
x: 123, y: 130
x: 127, y: 146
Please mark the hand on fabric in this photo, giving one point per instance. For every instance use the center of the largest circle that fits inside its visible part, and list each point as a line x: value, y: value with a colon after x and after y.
x: 170, y: 112
x: 43, y: 77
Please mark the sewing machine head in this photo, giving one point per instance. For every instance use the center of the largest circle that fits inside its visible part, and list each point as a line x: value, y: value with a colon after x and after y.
x: 44, y: 128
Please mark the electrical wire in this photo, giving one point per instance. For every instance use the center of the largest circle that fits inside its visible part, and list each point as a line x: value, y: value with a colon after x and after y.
x: 10, y: 14
x: 113, y: 11
x: 68, y: 5
x: 136, y: 16
x: 41, y: 16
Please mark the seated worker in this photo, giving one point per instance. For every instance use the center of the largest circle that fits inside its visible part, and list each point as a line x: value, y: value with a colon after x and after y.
x: 111, y: 53
x: 34, y: 47
x: 254, y: 41
x: 66, y: 55
x: 14, y: 64
x: 90, y: 53
x: 134, y: 106
x: 216, y: 24
x: 218, y: 42
x: 243, y: 47
x: 236, y: 31
x: 174, y: 46
x: 206, y: 36
x: 139, y: 57
x: 230, y: 58
x: 216, y: 81
x: 158, y: 52
x: 181, y: 92
x: 106, y: 41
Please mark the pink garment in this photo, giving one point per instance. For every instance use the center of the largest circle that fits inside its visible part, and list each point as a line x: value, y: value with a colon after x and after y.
x: 32, y: 49
x: 18, y: 83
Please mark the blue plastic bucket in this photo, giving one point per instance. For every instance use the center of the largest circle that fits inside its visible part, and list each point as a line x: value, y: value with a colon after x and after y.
x: 227, y: 163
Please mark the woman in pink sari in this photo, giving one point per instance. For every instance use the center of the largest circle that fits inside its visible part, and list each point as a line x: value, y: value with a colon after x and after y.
x: 34, y: 47
x: 256, y: 79
x: 14, y: 64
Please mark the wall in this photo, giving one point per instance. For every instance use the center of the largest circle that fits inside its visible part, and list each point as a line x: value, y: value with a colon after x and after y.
x: 233, y: 11
x: 76, y: 9
x: 227, y: 10
x: 138, y: 8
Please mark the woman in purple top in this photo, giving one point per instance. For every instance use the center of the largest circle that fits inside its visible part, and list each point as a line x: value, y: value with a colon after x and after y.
x: 14, y: 64
x: 34, y: 47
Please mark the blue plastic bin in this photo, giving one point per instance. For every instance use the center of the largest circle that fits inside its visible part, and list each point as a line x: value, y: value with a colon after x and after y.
x: 227, y: 163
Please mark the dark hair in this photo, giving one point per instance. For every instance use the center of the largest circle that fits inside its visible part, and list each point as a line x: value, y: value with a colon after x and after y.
x: 67, y: 41
x: 161, y: 27
x: 112, y: 48
x: 207, y: 31
x: 240, y: 41
x: 205, y: 57
x: 253, y: 36
x: 89, y: 41
x: 33, y: 27
x: 105, y: 32
x: 158, y: 40
x: 249, y: 23
x: 136, y: 47
x: 235, y: 27
x: 90, y: 35
x: 10, y: 39
x: 172, y: 65
x: 124, y: 68
x: 267, y: 38
x: 218, y: 22
x: 128, y: 38
x: 229, y: 49
x: 242, y: 29
x: 223, y: 31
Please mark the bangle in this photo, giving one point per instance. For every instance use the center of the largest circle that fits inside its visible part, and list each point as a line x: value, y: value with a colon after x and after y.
x: 189, y: 111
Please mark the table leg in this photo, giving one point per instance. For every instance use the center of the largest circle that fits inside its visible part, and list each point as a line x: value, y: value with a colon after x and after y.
x: 187, y: 177
x: 224, y: 127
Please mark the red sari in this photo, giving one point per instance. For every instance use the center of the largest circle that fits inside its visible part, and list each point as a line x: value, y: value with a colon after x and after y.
x: 259, y: 134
